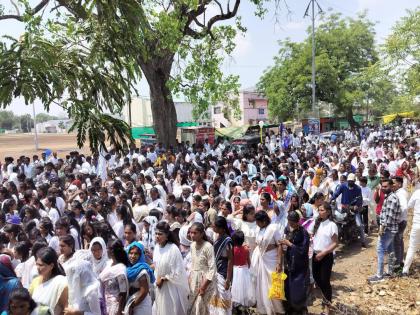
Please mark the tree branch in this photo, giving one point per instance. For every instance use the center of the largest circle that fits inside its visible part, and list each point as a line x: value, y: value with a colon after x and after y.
x: 75, y: 8
x: 206, y: 29
x: 19, y: 17
x: 224, y: 16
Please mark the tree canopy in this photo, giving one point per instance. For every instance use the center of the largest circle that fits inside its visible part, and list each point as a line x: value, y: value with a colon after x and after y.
x: 402, y: 48
x: 347, y: 70
x: 87, y: 56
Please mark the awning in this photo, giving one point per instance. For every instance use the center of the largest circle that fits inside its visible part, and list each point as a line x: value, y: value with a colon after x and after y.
x: 142, y: 132
x: 187, y: 124
x: 389, y: 118
x: 147, y: 132
x: 231, y: 132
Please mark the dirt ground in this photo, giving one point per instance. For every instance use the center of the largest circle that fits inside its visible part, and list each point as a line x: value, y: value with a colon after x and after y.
x: 352, y: 295
x: 17, y: 144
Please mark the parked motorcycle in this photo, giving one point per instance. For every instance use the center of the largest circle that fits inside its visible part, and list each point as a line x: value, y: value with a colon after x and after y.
x: 345, y: 218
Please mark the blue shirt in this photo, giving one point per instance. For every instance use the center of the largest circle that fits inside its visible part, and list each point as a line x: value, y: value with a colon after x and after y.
x: 348, y: 194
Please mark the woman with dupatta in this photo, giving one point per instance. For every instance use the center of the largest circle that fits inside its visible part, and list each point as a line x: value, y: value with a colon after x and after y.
x: 295, y: 247
x: 221, y: 302
x: 141, y: 278
x: 98, y: 255
x: 266, y: 259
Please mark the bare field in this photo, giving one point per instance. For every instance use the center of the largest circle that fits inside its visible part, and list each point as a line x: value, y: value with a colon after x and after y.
x: 16, y: 145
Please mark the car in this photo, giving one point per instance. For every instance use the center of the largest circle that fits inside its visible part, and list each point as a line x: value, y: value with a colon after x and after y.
x: 329, y: 135
x: 246, y: 142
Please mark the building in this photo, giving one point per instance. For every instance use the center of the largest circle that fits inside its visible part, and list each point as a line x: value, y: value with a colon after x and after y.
x: 253, y: 108
x: 142, y: 118
x: 54, y: 126
x: 141, y: 113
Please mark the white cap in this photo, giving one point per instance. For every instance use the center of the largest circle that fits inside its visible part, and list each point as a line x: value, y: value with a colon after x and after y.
x: 351, y: 177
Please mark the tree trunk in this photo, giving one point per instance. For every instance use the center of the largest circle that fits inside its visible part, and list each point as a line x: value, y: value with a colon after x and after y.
x: 163, y: 108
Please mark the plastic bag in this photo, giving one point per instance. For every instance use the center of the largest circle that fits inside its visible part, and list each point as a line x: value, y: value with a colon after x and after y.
x: 276, y: 290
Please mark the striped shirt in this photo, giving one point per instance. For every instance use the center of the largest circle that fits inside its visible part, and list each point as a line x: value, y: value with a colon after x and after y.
x: 391, y: 212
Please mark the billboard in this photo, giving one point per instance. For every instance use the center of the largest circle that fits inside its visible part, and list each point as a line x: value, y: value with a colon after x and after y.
x: 313, y: 126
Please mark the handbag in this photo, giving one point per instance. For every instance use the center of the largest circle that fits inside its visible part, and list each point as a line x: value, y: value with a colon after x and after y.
x: 276, y: 290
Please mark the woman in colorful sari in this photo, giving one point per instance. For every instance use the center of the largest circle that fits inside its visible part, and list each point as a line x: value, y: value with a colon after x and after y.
x: 171, y: 276
x: 114, y: 278
x: 8, y: 281
x: 141, y: 278
x: 266, y: 259
x: 203, y: 271
x: 221, y: 302
x: 295, y: 249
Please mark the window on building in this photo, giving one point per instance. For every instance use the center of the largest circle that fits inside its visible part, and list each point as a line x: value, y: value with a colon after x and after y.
x: 217, y: 110
x: 260, y: 111
x: 251, y: 103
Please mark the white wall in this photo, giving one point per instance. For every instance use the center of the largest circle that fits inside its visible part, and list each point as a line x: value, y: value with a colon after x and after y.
x: 141, y: 112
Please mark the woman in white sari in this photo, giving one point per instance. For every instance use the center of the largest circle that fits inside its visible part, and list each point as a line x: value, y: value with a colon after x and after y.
x: 247, y: 225
x: 265, y: 260
x: 171, y: 277
x: 84, y: 288
x: 50, y: 288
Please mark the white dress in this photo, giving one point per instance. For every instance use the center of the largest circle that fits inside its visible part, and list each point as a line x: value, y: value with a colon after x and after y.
x: 249, y: 229
x: 172, y: 296
x: 263, y: 263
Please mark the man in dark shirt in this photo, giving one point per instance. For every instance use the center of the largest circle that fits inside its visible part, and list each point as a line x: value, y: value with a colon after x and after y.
x: 351, y: 196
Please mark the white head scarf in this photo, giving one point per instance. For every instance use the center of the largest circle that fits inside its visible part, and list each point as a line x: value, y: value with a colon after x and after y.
x: 99, y: 265
x: 82, y: 284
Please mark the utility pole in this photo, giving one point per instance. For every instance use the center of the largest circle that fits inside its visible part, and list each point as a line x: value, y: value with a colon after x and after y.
x: 129, y: 114
x: 315, y: 108
x: 35, y: 131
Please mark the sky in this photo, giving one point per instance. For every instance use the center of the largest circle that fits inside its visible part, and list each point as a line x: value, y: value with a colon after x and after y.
x: 255, y: 51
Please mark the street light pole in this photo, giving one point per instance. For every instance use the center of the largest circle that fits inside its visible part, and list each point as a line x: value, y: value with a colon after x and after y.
x: 315, y: 108
x: 313, y: 60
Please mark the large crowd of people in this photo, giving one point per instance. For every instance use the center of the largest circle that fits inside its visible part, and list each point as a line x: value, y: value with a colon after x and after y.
x: 200, y: 229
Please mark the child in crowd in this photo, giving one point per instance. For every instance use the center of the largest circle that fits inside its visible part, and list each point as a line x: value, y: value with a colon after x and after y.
x: 243, y: 295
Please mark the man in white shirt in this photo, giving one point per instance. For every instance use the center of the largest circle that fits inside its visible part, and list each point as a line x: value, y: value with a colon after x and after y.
x: 27, y: 168
x: 53, y: 158
x: 367, y: 198
x: 13, y: 176
x: 402, y: 195
x: 151, y: 155
x: 414, y: 243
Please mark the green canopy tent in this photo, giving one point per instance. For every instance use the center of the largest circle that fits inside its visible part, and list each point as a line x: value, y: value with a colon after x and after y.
x: 148, y: 132
x: 231, y: 132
